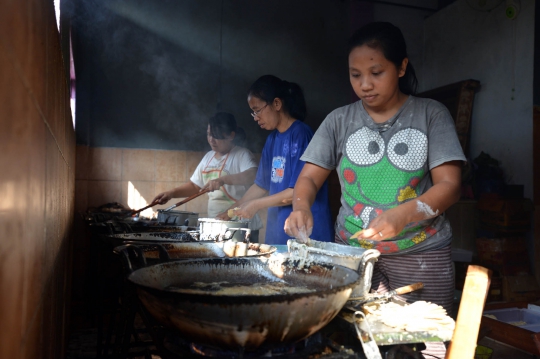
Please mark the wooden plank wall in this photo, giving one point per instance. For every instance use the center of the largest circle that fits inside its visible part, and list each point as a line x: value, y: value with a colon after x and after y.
x: 37, y: 174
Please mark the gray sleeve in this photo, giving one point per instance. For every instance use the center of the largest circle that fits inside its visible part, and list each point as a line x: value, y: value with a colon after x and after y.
x: 321, y: 150
x: 443, y: 142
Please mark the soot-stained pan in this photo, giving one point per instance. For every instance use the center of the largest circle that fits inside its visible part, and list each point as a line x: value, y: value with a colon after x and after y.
x: 189, y: 297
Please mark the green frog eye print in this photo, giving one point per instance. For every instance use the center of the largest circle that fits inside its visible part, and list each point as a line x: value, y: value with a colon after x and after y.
x: 379, y: 175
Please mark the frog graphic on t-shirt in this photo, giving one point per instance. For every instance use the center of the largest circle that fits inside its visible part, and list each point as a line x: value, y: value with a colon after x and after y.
x: 379, y: 175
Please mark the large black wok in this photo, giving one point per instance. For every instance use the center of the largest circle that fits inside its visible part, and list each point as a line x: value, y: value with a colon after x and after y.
x: 237, y: 321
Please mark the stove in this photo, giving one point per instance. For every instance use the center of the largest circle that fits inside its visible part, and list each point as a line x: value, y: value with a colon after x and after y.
x: 126, y: 335
x: 337, y: 340
x: 315, y: 346
x: 108, y: 223
x: 170, y: 345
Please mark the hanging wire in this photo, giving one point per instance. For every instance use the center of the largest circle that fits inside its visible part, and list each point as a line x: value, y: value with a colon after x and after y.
x: 220, y: 86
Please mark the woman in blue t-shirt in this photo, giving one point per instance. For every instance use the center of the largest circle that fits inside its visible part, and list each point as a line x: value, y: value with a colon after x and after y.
x: 279, y: 106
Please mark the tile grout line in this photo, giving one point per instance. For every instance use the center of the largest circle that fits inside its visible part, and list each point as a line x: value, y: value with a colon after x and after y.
x: 31, y: 93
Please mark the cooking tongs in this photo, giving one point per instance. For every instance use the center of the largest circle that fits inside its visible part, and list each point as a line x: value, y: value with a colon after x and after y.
x: 132, y: 213
x: 398, y: 291
x: 371, y: 350
x: 187, y: 200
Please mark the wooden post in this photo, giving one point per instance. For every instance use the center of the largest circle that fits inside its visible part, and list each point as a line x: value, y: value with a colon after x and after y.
x: 473, y: 299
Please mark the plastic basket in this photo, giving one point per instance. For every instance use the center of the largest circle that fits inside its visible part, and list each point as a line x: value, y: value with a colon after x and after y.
x: 483, y: 352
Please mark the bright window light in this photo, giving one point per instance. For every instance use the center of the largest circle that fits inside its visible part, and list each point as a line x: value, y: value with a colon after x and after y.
x: 72, y: 104
x: 136, y: 201
x: 57, y: 13
x: 73, y: 95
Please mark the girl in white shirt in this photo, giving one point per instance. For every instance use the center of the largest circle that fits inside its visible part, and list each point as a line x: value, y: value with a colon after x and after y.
x: 228, y: 170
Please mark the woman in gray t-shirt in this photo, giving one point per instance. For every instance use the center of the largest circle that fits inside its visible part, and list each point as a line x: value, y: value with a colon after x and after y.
x: 399, y: 159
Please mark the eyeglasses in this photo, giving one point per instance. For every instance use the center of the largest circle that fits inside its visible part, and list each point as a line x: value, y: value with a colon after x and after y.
x: 256, y: 113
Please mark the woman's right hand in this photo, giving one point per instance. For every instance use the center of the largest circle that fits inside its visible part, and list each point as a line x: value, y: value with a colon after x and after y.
x: 214, y: 184
x: 162, y: 198
x: 299, y: 224
x: 247, y: 209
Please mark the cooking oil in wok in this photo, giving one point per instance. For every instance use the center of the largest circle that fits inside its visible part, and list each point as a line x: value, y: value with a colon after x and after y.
x: 233, y: 288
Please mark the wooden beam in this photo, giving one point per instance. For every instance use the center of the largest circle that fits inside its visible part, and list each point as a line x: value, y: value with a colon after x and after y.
x: 472, y: 303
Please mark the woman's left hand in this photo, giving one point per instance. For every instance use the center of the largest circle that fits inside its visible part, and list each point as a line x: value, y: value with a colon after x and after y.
x: 247, y: 210
x: 223, y: 216
x: 385, y: 226
x: 213, y: 185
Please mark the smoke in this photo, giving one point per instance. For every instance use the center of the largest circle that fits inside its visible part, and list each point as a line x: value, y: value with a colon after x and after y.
x: 132, y: 42
x: 177, y: 103
x: 151, y: 68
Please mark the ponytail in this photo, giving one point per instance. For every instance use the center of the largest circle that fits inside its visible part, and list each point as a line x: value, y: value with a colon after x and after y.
x: 294, y: 100
x: 408, y: 83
